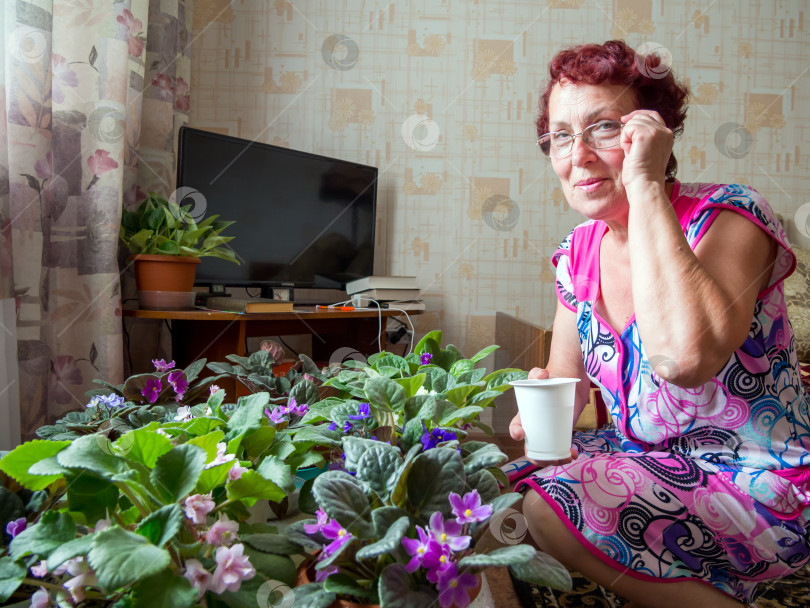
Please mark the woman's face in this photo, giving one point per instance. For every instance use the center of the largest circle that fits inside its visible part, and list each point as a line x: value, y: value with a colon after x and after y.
x: 591, y: 179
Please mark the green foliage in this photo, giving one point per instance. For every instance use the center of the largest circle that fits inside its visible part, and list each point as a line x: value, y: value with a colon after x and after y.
x: 161, y: 227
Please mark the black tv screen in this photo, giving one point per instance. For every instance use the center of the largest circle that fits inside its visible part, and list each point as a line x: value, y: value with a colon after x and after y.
x: 302, y: 220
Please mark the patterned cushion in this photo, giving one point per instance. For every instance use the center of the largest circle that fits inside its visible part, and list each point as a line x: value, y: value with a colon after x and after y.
x: 797, y: 296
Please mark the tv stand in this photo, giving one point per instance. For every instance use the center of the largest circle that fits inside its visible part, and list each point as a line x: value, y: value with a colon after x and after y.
x: 214, y: 335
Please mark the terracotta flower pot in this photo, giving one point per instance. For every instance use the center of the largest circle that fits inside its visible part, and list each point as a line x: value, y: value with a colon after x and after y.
x: 482, y: 597
x: 165, y: 272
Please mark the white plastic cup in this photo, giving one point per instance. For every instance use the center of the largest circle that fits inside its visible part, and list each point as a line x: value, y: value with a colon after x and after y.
x: 547, y: 414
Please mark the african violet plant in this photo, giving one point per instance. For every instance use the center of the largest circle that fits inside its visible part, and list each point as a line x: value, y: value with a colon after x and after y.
x: 156, y: 518
x: 409, y: 528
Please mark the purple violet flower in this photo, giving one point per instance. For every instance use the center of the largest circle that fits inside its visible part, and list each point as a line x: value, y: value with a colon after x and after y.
x: 333, y: 427
x: 469, y: 508
x: 425, y: 358
x: 448, y: 532
x: 112, y: 400
x: 347, y: 428
x: 322, y: 575
x: 338, y: 535
x: 323, y: 519
x: 453, y: 587
x: 277, y: 415
x: 436, y: 561
x: 419, y: 550
x: 152, y: 389
x: 178, y: 382
x: 364, y: 411
x: 430, y: 439
x: 161, y: 365
x: 13, y: 528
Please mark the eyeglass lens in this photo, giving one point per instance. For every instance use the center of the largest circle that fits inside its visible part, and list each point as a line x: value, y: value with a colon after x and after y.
x: 604, y: 134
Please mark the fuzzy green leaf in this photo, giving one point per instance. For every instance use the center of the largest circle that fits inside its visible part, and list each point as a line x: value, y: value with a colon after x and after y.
x: 160, y: 526
x: 270, y: 543
x: 43, y: 538
x: 502, y: 556
x: 177, y: 472
x: 17, y: 463
x: 277, y: 471
x: 398, y: 589
x: 433, y: 475
x: 379, y: 468
x: 385, y: 394
x: 144, y: 445
x: 389, y: 542
x: 252, y: 486
x: 164, y: 590
x: 90, y: 495
x: 545, y: 571
x: 69, y: 550
x: 489, y: 456
x: 94, y: 453
x: 249, y: 414
x: 341, y: 497
x: 11, y: 576
x: 120, y: 557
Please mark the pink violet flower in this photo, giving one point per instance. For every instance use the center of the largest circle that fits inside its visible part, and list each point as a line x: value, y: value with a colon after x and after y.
x: 222, y: 456
x: 236, y: 472
x: 322, y: 575
x: 436, y: 561
x: 198, y: 576
x: 178, y: 382
x: 40, y: 570
x: 198, y: 506
x: 469, y: 508
x: 40, y: 599
x: 233, y: 567
x: 448, y: 532
x: 13, y: 528
x: 222, y: 533
x: 213, y: 389
x: 162, y: 366
x: 453, y: 587
x: 322, y: 520
x: 152, y: 389
x: 83, y: 577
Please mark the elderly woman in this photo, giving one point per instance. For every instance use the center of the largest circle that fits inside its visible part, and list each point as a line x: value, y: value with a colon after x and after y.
x: 671, y: 302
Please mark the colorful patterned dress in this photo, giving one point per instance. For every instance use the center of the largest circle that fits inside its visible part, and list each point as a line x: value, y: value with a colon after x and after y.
x: 708, y: 483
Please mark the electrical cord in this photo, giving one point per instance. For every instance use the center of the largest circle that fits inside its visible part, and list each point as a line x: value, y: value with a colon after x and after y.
x: 287, y: 346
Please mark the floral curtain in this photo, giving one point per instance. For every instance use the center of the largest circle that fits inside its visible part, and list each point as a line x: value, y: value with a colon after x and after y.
x: 91, y: 96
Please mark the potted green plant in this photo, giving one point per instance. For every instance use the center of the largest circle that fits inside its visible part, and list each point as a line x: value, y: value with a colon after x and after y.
x: 161, y: 517
x: 167, y: 243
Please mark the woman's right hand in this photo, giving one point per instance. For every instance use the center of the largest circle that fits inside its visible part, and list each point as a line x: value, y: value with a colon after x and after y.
x: 516, y: 428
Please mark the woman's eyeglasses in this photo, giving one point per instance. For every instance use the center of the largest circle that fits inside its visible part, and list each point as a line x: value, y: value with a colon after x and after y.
x: 600, y: 135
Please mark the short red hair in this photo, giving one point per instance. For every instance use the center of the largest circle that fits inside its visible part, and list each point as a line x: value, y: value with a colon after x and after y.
x: 615, y: 62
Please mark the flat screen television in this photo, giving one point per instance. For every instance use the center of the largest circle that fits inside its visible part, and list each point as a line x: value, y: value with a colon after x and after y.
x: 302, y: 220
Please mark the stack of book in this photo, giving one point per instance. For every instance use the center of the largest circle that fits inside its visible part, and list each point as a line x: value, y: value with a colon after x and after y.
x: 398, y: 292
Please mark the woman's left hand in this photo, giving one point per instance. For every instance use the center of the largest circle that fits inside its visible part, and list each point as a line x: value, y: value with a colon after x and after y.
x: 647, y: 145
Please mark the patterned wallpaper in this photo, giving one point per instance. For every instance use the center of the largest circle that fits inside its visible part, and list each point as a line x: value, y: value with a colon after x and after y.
x: 441, y: 96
